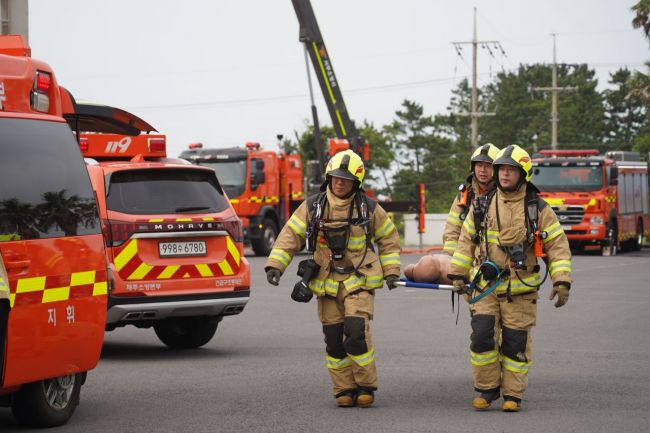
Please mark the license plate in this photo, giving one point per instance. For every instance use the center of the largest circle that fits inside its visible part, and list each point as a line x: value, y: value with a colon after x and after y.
x: 565, y: 227
x: 182, y: 249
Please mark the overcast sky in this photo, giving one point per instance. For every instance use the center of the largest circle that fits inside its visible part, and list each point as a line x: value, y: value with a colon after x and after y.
x: 224, y: 72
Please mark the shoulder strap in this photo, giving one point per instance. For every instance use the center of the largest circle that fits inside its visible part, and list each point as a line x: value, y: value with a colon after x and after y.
x: 370, y: 203
x: 315, y: 205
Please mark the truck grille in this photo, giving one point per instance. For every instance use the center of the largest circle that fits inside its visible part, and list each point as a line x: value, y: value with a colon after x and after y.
x: 569, y: 215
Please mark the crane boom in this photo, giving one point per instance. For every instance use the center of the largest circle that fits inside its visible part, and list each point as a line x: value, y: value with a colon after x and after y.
x: 311, y: 36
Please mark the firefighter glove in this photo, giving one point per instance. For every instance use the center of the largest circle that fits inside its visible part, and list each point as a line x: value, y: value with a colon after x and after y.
x: 273, y: 276
x: 562, y: 292
x: 391, y: 281
x: 460, y: 287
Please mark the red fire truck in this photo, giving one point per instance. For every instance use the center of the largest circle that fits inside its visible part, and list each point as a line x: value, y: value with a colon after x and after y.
x: 263, y: 187
x: 53, y: 294
x: 600, y: 200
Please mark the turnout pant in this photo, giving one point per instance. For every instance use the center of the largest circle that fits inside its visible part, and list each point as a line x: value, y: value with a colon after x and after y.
x: 350, y: 354
x: 500, y: 346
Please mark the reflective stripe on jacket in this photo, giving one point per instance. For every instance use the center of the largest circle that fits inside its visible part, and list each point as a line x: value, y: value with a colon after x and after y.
x: 371, y: 269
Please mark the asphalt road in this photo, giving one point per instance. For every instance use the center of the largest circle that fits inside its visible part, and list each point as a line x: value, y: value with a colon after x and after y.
x: 264, y: 371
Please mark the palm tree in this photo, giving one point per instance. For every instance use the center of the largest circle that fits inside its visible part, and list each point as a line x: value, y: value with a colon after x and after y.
x: 642, y: 18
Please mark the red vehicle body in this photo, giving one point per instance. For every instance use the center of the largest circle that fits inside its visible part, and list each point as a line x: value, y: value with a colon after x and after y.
x: 600, y: 200
x: 52, y: 324
x: 263, y: 187
x: 174, y: 242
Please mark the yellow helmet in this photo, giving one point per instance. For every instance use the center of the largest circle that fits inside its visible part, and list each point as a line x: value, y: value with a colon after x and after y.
x: 486, y: 153
x: 515, y: 156
x: 347, y: 165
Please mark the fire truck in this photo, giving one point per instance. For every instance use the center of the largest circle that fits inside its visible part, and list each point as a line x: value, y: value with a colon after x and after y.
x: 53, y: 275
x: 263, y: 187
x: 601, y: 200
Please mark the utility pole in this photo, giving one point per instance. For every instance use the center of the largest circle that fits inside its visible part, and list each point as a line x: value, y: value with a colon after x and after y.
x: 474, y: 114
x: 554, y: 89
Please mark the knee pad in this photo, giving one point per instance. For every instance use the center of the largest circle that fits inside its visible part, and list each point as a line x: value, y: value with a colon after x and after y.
x: 355, y: 335
x: 334, y: 341
x: 514, y: 344
x: 482, y: 333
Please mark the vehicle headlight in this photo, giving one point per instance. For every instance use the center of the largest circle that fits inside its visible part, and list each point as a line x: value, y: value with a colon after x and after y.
x: 596, y: 220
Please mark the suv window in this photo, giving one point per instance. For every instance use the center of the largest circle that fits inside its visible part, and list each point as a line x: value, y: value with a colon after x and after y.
x: 165, y: 191
x: 45, y: 190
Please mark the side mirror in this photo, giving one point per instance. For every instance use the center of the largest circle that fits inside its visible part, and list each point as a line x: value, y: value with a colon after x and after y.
x: 259, y: 164
x: 257, y: 178
x: 612, y: 175
x: 260, y: 177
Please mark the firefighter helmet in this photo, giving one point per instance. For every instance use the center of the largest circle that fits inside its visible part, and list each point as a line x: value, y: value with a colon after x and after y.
x: 486, y: 153
x: 517, y: 157
x: 346, y: 165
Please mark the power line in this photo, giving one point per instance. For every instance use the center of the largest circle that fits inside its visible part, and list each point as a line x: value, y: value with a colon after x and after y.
x: 296, y: 97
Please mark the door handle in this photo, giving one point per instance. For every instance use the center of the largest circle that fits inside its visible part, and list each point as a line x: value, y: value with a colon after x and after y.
x: 17, y: 264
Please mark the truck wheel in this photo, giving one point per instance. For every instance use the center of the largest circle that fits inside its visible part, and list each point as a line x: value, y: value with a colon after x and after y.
x: 611, y: 242
x: 186, y: 332
x: 637, y: 243
x: 47, y: 403
x: 263, y: 245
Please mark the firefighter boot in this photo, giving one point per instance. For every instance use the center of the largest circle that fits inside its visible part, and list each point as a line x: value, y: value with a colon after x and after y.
x: 483, y: 400
x: 511, y: 404
x: 347, y: 398
x: 366, y: 397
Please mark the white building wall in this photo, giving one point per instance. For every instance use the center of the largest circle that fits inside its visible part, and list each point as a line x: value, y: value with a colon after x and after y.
x: 434, y: 225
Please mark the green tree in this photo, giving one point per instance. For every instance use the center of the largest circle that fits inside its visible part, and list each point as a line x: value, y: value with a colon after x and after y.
x: 523, y: 114
x: 624, y: 115
x: 409, y: 134
x: 642, y: 17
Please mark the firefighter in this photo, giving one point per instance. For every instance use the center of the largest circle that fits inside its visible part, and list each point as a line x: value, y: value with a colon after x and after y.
x: 435, y: 267
x: 498, y: 251
x: 340, y: 225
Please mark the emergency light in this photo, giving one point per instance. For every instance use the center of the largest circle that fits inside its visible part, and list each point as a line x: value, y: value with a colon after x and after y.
x: 585, y: 152
x: 83, y: 144
x: 156, y: 145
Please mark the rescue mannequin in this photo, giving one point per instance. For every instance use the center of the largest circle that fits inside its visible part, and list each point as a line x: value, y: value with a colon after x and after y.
x: 339, y: 226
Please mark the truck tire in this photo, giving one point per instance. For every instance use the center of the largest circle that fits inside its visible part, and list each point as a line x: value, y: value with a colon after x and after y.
x: 186, y: 332
x: 637, y: 243
x: 47, y: 403
x: 263, y: 245
x: 611, y: 242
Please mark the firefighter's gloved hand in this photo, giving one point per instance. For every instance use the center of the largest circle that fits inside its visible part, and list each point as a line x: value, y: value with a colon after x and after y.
x: 460, y: 287
x: 391, y: 281
x: 273, y: 276
x: 562, y: 292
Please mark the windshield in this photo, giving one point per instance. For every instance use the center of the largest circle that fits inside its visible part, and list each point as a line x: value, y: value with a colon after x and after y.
x: 147, y: 192
x: 568, y: 178
x: 231, y: 175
